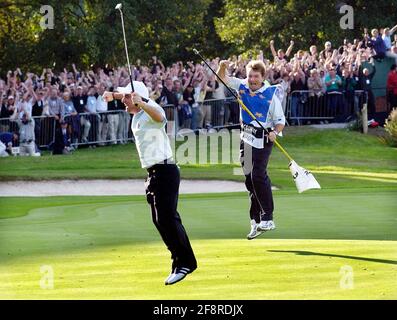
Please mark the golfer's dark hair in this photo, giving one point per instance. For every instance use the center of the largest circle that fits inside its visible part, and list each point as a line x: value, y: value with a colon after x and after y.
x: 257, y: 66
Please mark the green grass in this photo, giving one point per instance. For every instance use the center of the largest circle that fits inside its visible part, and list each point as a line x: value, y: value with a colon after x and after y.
x: 339, y: 159
x: 107, y: 247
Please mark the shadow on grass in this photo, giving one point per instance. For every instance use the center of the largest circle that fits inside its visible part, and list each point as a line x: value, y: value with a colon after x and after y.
x: 310, y: 253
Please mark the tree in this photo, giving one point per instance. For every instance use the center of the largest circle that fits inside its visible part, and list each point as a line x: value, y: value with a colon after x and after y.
x: 252, y: 24
x: 88, y: 32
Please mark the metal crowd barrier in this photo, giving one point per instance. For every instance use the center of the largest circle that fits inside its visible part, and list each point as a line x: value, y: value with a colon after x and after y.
x: 113, y: 127
x: 340, y: 106
x: 44, y: 129
x: 213, y: 113
x: 107, y: 127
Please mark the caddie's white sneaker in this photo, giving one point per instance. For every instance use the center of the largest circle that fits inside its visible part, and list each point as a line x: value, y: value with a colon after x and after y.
x: 177, y: 275
x: 254, y: 232
x: 266, y: 226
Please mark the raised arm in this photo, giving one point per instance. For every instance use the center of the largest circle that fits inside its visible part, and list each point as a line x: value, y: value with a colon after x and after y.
x: 221, y: 72
x: 392, y: 30
x: 188, y: 80
x: 274, y: 53
x: 289, y: 50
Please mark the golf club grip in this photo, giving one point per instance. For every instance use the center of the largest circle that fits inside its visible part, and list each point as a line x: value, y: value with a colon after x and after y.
x: 133, y: 90
x: 144, y: 100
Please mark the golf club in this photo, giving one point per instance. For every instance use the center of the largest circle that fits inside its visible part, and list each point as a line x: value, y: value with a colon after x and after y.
x: 304, y: 180
x: 119, y: 7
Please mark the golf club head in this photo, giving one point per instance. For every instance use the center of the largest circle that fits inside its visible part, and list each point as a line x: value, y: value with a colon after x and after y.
x: 119, y: 6
x: 195, y: 51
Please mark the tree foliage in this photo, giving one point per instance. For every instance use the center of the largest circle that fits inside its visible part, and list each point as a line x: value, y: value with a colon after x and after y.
x: 89, y: 32
x: 252, y: 24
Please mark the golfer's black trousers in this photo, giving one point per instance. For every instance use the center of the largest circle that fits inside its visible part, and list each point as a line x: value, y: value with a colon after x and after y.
x: 254, y: 162
x: 162, y: 189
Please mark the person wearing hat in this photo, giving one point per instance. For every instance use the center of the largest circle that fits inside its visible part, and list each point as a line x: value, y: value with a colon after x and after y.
x: 162, y: 182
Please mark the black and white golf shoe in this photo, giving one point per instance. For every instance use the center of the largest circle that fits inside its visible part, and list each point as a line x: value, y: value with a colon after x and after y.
x: 266, y: 226
x: 177, y: 275
x: 254, y: 232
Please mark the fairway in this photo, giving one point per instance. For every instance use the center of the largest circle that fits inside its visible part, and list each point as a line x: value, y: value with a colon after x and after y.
x: 107, y: 247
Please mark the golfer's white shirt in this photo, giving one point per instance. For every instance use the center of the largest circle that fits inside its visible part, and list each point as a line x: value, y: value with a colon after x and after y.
x: 151, y: 140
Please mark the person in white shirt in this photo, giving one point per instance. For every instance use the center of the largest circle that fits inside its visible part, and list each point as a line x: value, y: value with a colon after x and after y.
x: 93, y: 117
x: 264, y: 101
x: 222, y: 110
x: 387, y: 33
x: 162, y: 183
x: 101, y: 109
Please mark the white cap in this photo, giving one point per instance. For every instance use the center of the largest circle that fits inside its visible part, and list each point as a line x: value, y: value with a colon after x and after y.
x: 328, y: 43
x: 139, y: 88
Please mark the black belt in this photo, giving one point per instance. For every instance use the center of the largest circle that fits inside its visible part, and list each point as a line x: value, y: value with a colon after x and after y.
x: 26, y: 141
x: 166, y: 161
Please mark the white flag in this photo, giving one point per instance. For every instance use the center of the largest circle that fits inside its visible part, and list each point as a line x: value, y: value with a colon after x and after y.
x: 304, y: 180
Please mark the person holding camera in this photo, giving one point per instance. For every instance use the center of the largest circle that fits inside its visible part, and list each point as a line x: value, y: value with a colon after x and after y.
x: 26, y: 124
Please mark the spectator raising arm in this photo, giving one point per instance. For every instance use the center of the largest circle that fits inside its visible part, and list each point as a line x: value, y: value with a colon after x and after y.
x: 289, y: 50
x: 221, y: 72
x: 274, y: 53
x: 394, y: 29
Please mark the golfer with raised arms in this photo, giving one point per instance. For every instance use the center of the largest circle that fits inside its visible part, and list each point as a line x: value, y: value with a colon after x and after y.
x: 256, y: 144
x: 162, y: 182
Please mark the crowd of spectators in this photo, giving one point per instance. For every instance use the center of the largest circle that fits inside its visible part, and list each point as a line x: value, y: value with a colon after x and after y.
x: 74, y: 97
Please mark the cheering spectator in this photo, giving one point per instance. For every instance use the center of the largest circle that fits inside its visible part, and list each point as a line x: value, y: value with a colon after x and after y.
x: 280, y: 55
x: 27, y: 145
x: 62, y: 143
x: 9, y: 140
x: 187, y: 107
x: 378, y: 45
x: 315, y: 86
x: 102, y: 108
x: 327, y: 52
x: 392, y: 87
x: 55, y: 104
x: 80, y: 104
x: 365, y: 83
x: 206, y: 109
x: 387, y: 33
x: 70, y: 116
x: 91, y: 109
x: 349, y: 85
x: 113, y: 120
x: 298, y: 98
x: 199, y: 94
x: 333, y: 84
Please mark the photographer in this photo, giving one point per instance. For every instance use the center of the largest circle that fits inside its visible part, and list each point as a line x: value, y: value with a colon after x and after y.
x: 8, y: 140
x: 26, y: 134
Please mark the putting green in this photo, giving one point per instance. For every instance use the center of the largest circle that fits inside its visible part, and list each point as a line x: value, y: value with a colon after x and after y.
x: 327, y: 245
